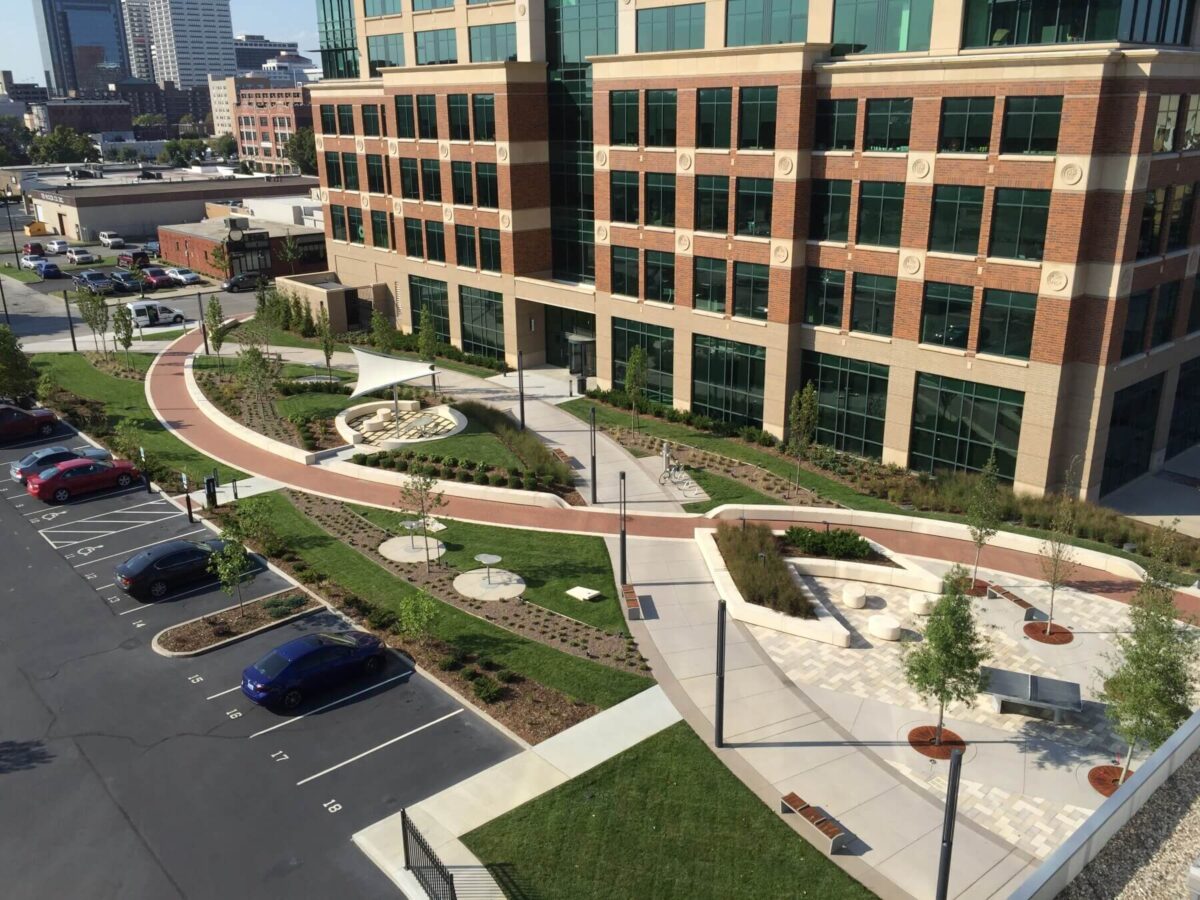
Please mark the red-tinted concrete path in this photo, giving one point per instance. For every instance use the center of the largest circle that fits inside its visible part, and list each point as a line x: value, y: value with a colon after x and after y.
x: 167, y: 389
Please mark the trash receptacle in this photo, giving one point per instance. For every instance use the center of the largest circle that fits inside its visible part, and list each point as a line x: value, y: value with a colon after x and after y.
x: 210, y: 492
x: 581, y: 385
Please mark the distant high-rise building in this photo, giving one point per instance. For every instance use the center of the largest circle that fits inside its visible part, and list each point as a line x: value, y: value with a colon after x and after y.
x: 22, y: 92
x: 83, y: 43
x: 253, y: 50
x: 137, y: 37
x: 191, y: 40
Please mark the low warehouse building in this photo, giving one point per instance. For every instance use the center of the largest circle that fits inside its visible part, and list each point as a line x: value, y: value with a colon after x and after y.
x: 250, y: 245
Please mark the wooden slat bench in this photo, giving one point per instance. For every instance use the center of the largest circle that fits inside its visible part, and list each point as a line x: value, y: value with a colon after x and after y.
x: 632, y: 604
x: 831, y: 833
x: 563, y: 456
x: 1032, y: 613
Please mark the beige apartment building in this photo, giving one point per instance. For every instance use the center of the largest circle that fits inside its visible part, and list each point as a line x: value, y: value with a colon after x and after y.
x: 968, y: 222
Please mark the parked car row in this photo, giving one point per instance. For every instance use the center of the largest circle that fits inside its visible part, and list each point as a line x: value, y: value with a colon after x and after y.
x: 108, y: 239
x: 125, y: 281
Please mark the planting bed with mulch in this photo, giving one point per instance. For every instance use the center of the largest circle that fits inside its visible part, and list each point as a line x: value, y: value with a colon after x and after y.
x: 921, y: 739
x: 1057, y: 637
x: 1106, y: 779
x: 193, y: 636
x: 520, y: 617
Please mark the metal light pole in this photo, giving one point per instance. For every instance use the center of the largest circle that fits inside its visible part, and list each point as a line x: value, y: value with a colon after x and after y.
x: 943, y: 881
x: 70, y: 322
x: 203, y: 326
x: 521, y: 385
x: 4, y: 300
x: 621, y: 507
x: 593, y: 456
x: 8, y: 192
x: 719, y: 719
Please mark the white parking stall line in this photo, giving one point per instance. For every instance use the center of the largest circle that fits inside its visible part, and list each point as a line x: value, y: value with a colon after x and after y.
x: 365, y: 690
x: 106, y: 586
x: 388, y: 743
x: 65, y: 508
x: 133, y: 550
x: 223, y: 693
x: 60, y: 544
x: 91, y: 498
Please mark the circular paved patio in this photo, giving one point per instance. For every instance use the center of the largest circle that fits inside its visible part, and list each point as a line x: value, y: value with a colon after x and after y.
x: 411, y: 548
x: 503, y: 585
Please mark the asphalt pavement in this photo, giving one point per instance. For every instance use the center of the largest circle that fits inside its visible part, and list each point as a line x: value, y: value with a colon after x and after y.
x: 127, y: 774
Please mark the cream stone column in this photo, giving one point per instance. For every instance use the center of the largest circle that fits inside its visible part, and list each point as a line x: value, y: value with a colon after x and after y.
x: 945, y: 34
x: 897, y: 426
x: 626, y: 27
x: 820, y: 21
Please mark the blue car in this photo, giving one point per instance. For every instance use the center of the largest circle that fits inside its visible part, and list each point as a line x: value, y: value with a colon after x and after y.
x: 48, y: 269
x: 307, y: 664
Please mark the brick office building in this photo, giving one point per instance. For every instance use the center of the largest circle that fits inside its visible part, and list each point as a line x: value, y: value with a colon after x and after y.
x: 968, y: 222
x: 265, y: 120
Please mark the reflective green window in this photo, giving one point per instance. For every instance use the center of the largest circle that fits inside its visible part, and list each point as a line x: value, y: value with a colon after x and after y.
x: 660, y: 118
x: 623, y: 118
x: 1185, y: 424
x: 337, y: 222
x: 350, y: 171
x: 404, y: 116
x: 966, y: 124
x: 658, y: 343
x: 487, y: 185
x: 333, y: 169
x: 625, y: 271
x: 410, y: 180
x: 712, y: 203
x: 376, y: 177
x: 957, y: 214
x: 429, y: 293
x: 354, y: 224
x: 1131, y: 432
x: 1162, y: 327
x: 460, y: 117
x: 727, y: 380
x: 1019, y: 219
x: 946, y: 314
x: 660, y: 199
x: 1151, y: 228
x: 889, y: 123
x: 384, y: 51
x: 1006, y: 323
x: 422, y: 5
x: 958, y: 425
x: 824, y: 292
x: 464, y: 246
x: 460, y: 183
x: 1179, y: 217
x: 881, y: 26
x: 851, y: 402
x: 329, y: 119
x: 431, y: 180
x: 880, y: 213
x: 708, y: 284
x: 1137, y: 317
x: 483, y: 107
x: 436, y: 47
x: 379, y: 229
x: 835, y: 124
x: 1031, y: 125
x: 756, y: 118
x: 1018, y: 22
x: 345, y: 117
x: 427, y: 126
x: 873, y: 304
x: 435, y: 241
x: 660, y: 276
x: 829, y: 219
x: 381, y: 8
x: 751, y: 290
x: 370, y: 114
x: 670, y: 28
x: 414, y: 240
x: 752, y: 214
x: 623, y: 192
x: 493, y: 43
x: 489, y: 249
x: 714, y: 111
x: 750, y: 22
x: 482, y: 314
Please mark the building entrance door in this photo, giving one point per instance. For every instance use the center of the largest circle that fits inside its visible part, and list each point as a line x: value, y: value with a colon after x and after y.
x: 571, y: 340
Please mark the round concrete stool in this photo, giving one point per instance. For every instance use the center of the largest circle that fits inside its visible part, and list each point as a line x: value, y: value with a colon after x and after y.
x: 884, y: 627
x: 854, y: 596
x: 921, y: 604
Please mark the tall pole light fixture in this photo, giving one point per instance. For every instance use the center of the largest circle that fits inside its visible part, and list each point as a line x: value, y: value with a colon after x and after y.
x: 593, y: 419
x: 621, y: 506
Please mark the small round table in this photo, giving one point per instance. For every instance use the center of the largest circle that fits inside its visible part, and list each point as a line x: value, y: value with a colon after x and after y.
x: 412, y: 526
x: 488, y: 560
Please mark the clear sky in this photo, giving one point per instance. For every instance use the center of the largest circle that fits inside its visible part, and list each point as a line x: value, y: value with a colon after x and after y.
x: 278, y: 20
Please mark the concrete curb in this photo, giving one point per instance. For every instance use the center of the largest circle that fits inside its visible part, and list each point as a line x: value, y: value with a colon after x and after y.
x: 176, y: 654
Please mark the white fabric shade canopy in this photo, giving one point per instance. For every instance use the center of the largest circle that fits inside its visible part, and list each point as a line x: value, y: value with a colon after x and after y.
x: 378, y: 371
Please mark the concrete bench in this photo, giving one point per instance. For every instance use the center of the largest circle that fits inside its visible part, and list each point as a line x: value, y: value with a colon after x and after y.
x: 829, y: 833
x: 633, y: 605
x: 1037, y: 691
x: 583, y: 594
x: 854, y: 596
x: 884, y: 627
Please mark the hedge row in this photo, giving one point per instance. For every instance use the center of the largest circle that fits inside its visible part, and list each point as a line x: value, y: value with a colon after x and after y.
x: 450, y: 468
x: 838, y: 543
x: 752, y: 556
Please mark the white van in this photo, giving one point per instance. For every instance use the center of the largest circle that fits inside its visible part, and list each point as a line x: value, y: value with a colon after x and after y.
x: 147, y: 313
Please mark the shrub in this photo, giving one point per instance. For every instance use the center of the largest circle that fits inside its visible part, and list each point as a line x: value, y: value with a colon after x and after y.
x: 481, y: 478
x: 507, y: 676
x: 498, y: 480
x: 433, y: 471
x: 488, y: 689
x: 449, y: 663
x: 402, y: 465
x: 514, y: 479
x: 839, y: 543
x: 387, y: 463
x: 472, y: 673
x: 465, y: 476
x: 531, y: 482
x: 279, y: 607
x: 359, y: 458
x: 451, y: 461
x: 373, y: 461
x: 381, y: 618
x: 758, y: 570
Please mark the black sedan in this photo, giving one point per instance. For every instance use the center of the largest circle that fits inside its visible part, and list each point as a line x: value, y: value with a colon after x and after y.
x: 243, y: 281
x: 152, y: 573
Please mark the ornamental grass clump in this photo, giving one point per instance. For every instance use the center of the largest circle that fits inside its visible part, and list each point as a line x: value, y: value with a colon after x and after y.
x: 752, y: 555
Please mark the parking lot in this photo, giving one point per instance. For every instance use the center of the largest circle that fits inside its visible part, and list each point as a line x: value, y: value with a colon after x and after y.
x: 135, y: 775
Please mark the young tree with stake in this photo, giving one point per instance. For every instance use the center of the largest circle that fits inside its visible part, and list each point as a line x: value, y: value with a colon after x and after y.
x: 94, y: 312
x: 427, y: 339
x: 1057, y: 559
x: 18, y: 378
x: 419, y: 495
x: 290, y: 252
x: 229, y: 564
x: 635, y: 381
x: 123, y: 329
x: 983, y: 510
x: 325, y: 335
x: 802, y: 420
x: 946, y: 665
x: 214, y: 318
x: 383, y: 335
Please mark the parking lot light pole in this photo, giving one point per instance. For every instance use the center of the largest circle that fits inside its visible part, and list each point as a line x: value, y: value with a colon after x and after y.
x: 943, y: 880
x: 70, y: 321
x: 719, y: 718
x: 621, y: 506
x: 4, y: 300
x: 203, y: 326
x: 8, y: 192
x: 593, y: 456
x: 521, y: 385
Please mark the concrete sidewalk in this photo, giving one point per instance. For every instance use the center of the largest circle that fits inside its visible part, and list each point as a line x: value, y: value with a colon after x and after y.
x: 446, y: 816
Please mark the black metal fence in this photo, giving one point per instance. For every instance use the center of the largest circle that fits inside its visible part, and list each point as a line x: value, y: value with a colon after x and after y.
x: 420, y: 859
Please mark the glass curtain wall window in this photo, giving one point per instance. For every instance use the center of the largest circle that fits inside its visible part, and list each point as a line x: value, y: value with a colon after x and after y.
x: 829, y: 218
x: 329, y: 119
x: 336, y: 38
x: 384, y: 51
x: 670, y: 28
x: 873, y: 304
x: 464, y: 246
x: 370, y: 114
x: 880, y: 213
x: 660, y: 200
x: 436, y: 47
x: 1031, y: 125
x: 350, y: 171
x: 1006, y: 323
x: 379, y: 229
x: 889, y: 123
x: 376, y: 177
x: 460, y: 117
x: 712, y: 203
x: 623, y: 118
x: 957, y: 215
x: 483, y: 108
x: 460, y: 183
x: 714, y: 113
x: 424, y: 5
x: 429, y: 293
x: 659, y: 346
x: 660, y: 118
x: 1137, y: 316
x: 427, y: 126
x: 851, y: 402
x: 1190, y: 139
x: 482, y: 314
x: 493, y: 43
x: 404, y: 117
x: 487, y: 186
x: 435, y: 241
x: 727, y: 380
x: 660, y: 276
x: 337, y: 222
x: 835, y: 124
x: 946, y: 314
x: 354, y: 223
x: 708, y: 284
x: 1019, y: 219
x: 431, y: 180
x: 489, y: 249
x: 959, y: 425
x: 1166, y: 123
x: 751, y: 22
x: 966, y: 124
x: 751, y: 290
x: 414, y: 239
x: 1162, y: 327
x: 752, y: 215
x: 1131, y: 432
x: 345, y: 118
x: 1185, y: 424
x: 1151, y: 228
x: 825, y: 290
x: 333, y: 169
x: 1179, y: 218
x: 410, y: 180
x: 623, y: 194
x: 625, y: 271
x: 381, y: 8
x: 756, y: 118
x: 1021, y: 22
x: 881, y: 26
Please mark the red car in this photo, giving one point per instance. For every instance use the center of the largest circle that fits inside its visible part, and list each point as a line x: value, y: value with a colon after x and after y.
x: 156, y: 277
x: 65, y: 480
x: 16, y: 423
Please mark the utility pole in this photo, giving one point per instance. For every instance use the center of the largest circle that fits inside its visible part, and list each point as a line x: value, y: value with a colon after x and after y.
x: 70, y: 322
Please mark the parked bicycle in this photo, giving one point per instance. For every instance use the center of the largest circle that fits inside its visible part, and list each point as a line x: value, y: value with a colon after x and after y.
x: 674, y: 473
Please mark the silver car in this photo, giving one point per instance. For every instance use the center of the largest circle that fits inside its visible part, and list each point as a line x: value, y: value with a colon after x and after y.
x: 50, y: 456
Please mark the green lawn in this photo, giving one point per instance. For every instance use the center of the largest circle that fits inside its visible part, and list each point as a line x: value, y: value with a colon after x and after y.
x: 160, y: 335
x: 663, y: 820
x: 578, y: 678
x: 26, y: 275
x: 550, y: 562
x: 125, y: 399
x: 316, y: 405
x: 475, y: 443
x: 722, y: 490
